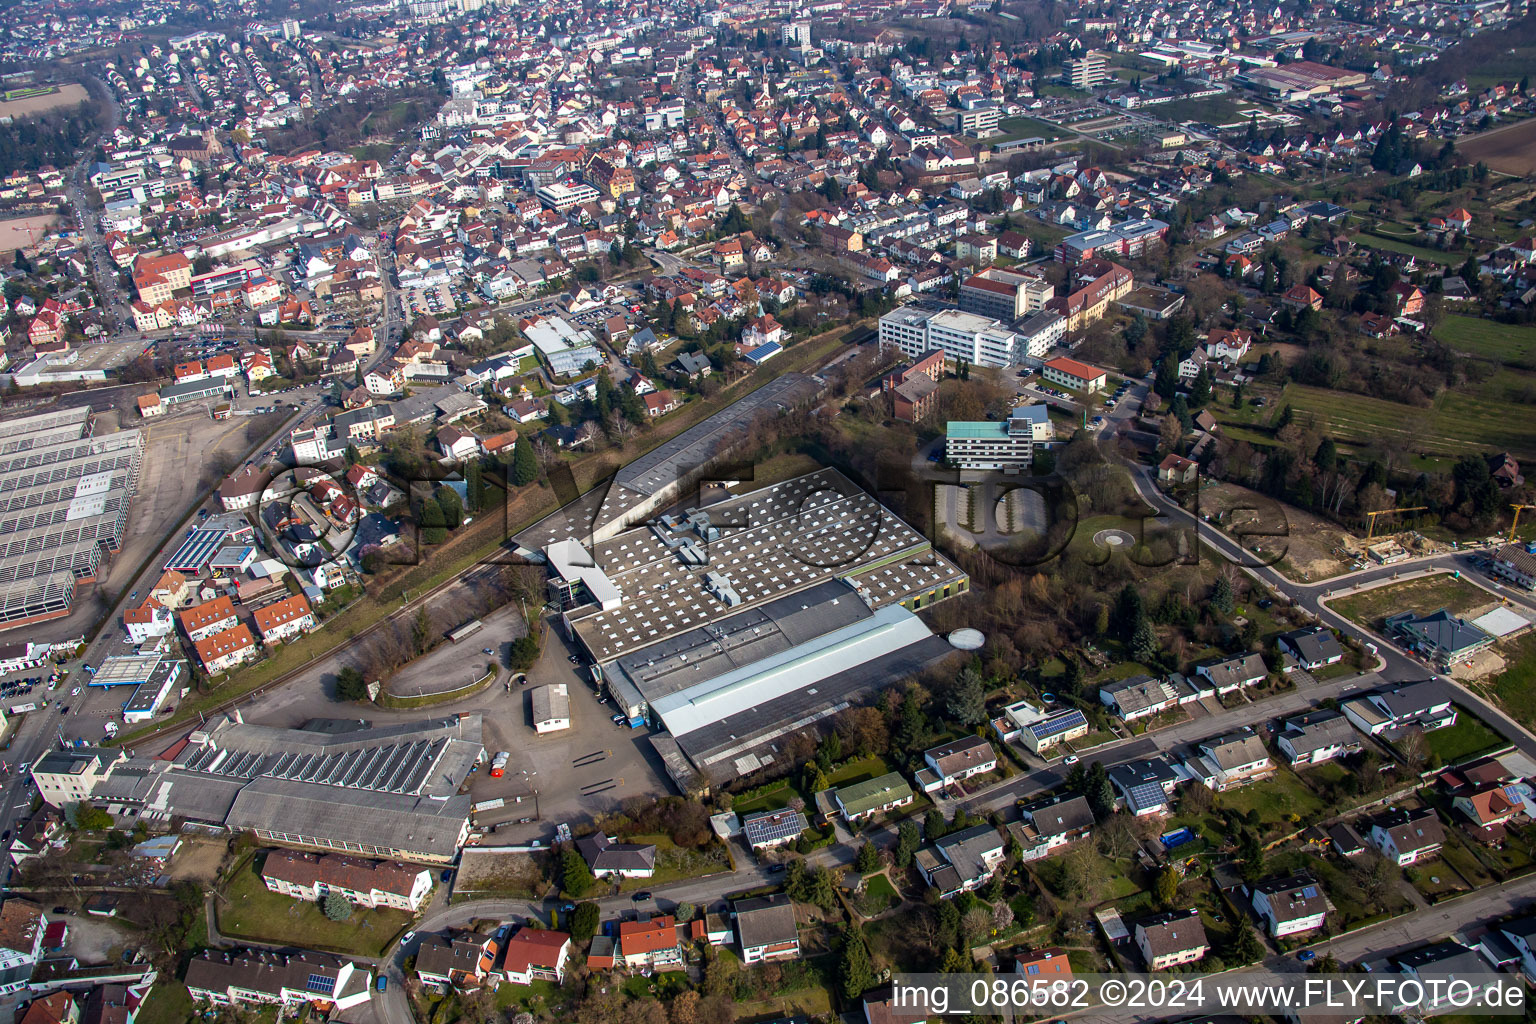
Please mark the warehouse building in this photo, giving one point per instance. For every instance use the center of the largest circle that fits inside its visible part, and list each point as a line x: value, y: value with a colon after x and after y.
x: 64, y: 499
x: 803, y: 604
x: 390, y: 792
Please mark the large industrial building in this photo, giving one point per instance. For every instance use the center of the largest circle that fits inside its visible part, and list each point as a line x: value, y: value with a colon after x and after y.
x: 734, y: 625
x: 63, y: 509
x: 390, y: 792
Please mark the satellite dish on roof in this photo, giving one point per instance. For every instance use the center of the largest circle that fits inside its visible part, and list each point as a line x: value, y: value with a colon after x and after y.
x: 967, y: 639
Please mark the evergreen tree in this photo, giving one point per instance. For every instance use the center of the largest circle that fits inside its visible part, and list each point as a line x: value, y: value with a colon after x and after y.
x: 453, y: 508
x: 1327, y: 455
x: 525, y: 468
x: 1166, y: 383
x: 907, y: 841
x: 1200, y: 390
x: 1129, y: 611
x: 1099, y: 792
x: 351, y: 684
x: 1285, y: 417
x: 1143, y: 645
x: 575, y: 877
x: 867, y: 859
x: 432, y: 521
x: 967, y: 702
x: 474, y: 486
x: 1166, y: 886
x: 583, y: 921
x: 854, y: 973
x: 1221, y: 595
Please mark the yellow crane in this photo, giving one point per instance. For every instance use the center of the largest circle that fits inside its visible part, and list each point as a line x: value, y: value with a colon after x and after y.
x: 1516, y: 524
x: 1388, y: 512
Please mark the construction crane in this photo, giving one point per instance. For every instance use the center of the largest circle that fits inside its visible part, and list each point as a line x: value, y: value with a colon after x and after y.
x: 1516, y: 524
x: 1388, y: 512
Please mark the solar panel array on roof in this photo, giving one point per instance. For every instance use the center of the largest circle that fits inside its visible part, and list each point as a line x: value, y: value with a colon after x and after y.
x: 774, y: 825
x: 1058, y: 724
x: 1147, y: 794
x: 1310, y: 892
x: 397, y: 768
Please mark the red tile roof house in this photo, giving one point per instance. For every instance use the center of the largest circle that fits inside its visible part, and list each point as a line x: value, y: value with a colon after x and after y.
x: 533, y: 954
x: 651, y: 943
x: 284, y: 619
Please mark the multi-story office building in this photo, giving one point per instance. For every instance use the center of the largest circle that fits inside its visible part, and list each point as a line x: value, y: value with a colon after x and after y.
x: 1005, y: 294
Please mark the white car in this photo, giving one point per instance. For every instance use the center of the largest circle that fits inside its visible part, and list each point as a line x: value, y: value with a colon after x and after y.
x: 1070, y: 759
x: 75, y: 692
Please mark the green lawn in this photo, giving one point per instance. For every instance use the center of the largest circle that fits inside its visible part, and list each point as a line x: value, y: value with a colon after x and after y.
x: 1515, y: 687
x: 169, y: 1002
x: 1342, y: 888
x: 814, y: 1003
x: 1284, y: 802
x: 1026, y: 128
x: 1418, y: 252
x: 1466, y: 739
x: 858, y: 769
x: 1508, y: 343
x: 1422, y: 596
x: 1210, y: 109
x: 879, y: 895
x: 675, y: 863
x: 527, y: 997
x: 770, y: 799
x: 249, y: 911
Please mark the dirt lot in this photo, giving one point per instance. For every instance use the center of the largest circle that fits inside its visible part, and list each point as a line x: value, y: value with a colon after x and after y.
x: 198, y: 859
x: 69, y: 95
x: 22, y: 231
x: 1511, y: 149
x: 498, y: 872
x: 179, y: 459
x: 1314, y: 548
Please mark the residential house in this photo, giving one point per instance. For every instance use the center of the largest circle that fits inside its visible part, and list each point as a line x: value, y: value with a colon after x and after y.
x: 648, y: 943
x: 1489, y: 807
x: 766, y: 929
x: 1439, y: 637
x: 873, y: 796
x: 464, y: 962
x: 283, y: 620
x: 950, y: 763
x: 1176, y: 469
x: 1300, y: 297
x: 1423, y: 705
x: 227, y: 649
x: 22, y: 926
x: 1171, y: 939
x: 961, y: 861
x: 607, y: 858
x: 259, y: 976
x: 1234, y: 673
x: 1313, y: 648
x: 367, y: 883
x: 1044, y: 965
x: 1061, y: 822
x: 535, y: 954
x: 1229, y: 761
x: 1316, y: 737
x: 204, y: 620
x: 1291, y: 905
x: 1138, y: 696
x: 1515, y: 564
x: 1407, y: 837
x: 765, y: 830
x: 1146, y: 786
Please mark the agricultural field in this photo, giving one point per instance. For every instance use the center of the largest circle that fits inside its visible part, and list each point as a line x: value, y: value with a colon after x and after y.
x: 1210, y: 109
x: 1478, y: 419
x: 1510, y: 149
x: 1419, y: 252
x: 1508, y: 343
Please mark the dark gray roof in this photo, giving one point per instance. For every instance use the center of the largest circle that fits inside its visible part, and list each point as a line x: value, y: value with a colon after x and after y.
x: 765, y: 920
x: 1065, y: 815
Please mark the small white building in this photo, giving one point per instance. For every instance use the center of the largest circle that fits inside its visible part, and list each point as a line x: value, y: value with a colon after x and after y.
x: 551, y: 708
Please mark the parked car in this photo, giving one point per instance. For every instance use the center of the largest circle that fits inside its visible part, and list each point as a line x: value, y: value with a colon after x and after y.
x: 1306, y: 956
